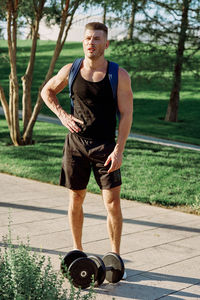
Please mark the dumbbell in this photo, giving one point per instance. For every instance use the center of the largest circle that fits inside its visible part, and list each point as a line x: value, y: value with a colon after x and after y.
x: 83, y: 269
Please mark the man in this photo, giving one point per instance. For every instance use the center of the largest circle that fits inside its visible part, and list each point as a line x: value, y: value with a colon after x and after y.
x: 91, y: 141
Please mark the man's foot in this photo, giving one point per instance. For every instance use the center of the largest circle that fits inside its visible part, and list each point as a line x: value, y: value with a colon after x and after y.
x: 76, y: 249
x: 124, y: 276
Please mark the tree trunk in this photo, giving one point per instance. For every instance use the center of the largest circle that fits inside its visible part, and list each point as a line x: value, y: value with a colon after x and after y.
x: 5, y: 106
x: 59, y: 45
x: 14, y: 112
x: 11, y: 110
x: 172, y: 110
x: 14, y: 87
x: 132, y: 20
x: 104, y: 13
x: 28, y: 76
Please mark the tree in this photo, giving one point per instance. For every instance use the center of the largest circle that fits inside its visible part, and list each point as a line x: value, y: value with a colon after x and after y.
x: 183, y: 38
x: 128, y: 12
x: 96, y: 4
x: 125, y: 13
x: 11, y: 111
x: 175, y: 24
x: 63, y: 32
x: 172, y: 110
x: 12, y: 8
x: 104, y: 12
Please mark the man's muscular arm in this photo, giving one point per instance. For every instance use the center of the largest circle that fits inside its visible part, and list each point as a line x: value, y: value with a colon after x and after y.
x: 125, y: 105
x: 54, y: 86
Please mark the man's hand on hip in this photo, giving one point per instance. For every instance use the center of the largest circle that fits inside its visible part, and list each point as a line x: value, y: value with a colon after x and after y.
x: 70, y: 121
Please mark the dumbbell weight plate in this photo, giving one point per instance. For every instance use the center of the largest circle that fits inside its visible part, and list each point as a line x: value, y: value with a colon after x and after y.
x: 82, y: 270
x: 116, y: 273
x: 101, y: 273
x: 69, y: 258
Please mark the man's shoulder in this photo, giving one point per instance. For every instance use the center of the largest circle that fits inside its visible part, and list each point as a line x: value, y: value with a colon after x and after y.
x: 124, y: 79
x: 65, y: 70
x: 121, y: 71
x: 123, y: 74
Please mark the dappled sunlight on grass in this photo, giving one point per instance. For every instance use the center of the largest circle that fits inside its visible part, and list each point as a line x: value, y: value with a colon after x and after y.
x: 162, y: 175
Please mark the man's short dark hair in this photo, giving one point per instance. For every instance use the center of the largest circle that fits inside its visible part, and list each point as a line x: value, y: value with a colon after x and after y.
x: 97, y: 26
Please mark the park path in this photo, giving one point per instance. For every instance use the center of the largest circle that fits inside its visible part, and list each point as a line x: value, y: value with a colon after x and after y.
x: 160, y: 247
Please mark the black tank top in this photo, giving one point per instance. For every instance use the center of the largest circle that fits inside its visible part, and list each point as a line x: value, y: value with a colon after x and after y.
x: 95, y: 106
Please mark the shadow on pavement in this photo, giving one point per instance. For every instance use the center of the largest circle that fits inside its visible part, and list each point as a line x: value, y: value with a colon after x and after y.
x: 94, y: 216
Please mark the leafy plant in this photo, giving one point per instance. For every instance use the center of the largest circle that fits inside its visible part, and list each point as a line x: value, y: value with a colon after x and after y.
x: 26, y: 275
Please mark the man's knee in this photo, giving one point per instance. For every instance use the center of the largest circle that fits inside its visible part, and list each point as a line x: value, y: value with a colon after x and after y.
x: 114, y: 208
x: 77, y: 197
x: 112, y: 200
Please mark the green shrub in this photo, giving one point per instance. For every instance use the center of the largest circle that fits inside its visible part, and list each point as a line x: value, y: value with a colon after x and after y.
x: 25, y: 275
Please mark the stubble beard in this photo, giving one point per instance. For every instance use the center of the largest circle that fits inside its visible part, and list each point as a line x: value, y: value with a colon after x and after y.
x: 95, y: 55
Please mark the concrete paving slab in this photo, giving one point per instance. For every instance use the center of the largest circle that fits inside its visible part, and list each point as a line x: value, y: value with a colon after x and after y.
x: 150, y: 259
x: 170, y: 217
x: 190, y: 293
x: 137, y: 224
x: 146, y: 289
x: 160, y: 247
x: 192, y: 242
x: 151, y: 238
x: 33, y: 228
x: 22, y: 217
x: 176, y: 276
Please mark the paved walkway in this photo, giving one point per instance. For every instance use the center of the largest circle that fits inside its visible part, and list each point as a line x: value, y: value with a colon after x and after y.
x: 160, y: 247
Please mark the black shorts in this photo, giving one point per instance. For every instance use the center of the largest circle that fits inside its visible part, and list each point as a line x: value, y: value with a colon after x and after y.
x: 80, y: 156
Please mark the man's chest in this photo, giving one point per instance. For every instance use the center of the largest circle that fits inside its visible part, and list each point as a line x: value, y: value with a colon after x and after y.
x: 92, y: 76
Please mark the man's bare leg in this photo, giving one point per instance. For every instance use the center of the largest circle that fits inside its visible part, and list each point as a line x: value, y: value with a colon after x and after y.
x: 75, y: 214
x: 111, y: 199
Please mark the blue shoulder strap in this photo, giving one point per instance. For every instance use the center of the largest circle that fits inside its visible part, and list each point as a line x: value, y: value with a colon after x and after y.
x: 112, y: 74
x: 113, y: 77
x: 72, y: 75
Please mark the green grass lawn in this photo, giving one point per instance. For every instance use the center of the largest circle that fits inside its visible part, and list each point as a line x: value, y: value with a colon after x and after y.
x: 150, y: 96
x: 151, y: 173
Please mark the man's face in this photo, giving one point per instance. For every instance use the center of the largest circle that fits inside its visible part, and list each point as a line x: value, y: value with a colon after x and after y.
x: 94, y: 43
